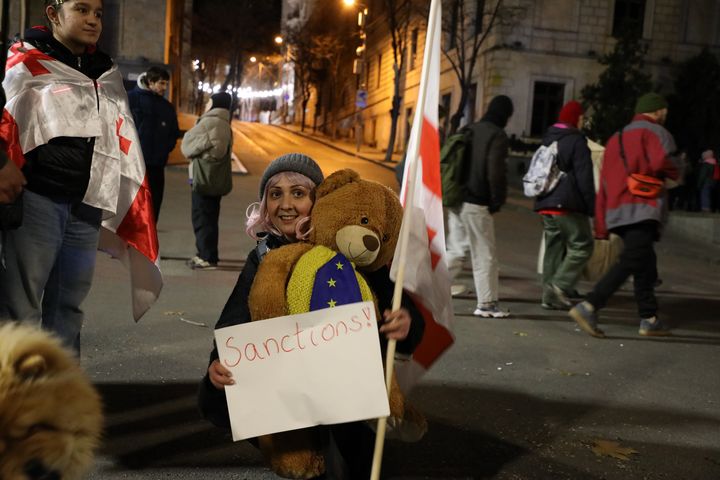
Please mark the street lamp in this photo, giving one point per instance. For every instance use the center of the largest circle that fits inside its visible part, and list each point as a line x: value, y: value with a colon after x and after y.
x: 278, y: 39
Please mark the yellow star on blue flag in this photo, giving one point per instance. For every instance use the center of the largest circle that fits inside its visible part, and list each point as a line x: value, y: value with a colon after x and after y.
x: 334, y: 285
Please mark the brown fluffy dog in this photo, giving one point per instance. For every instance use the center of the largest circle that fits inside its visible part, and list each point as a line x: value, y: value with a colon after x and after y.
x: 50, y: 414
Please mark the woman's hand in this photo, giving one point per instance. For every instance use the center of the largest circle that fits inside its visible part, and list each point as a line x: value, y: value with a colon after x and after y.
x: 219, y: 376
x: 11, y: 182
x: 397, y: 324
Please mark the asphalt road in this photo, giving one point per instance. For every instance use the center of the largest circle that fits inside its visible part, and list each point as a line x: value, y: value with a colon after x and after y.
x: 519, y: 398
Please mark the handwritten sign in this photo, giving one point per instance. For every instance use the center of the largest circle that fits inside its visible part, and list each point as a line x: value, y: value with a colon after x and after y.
x: 316, y: 368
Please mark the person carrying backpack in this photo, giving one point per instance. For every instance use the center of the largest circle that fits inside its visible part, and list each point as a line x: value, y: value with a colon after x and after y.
x: 566, y: 210
x: 470, y: 225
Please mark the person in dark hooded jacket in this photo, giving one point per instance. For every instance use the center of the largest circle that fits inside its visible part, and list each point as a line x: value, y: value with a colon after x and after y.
x: 471, y: 226
x: 566, y: 210
x: 157, y: 126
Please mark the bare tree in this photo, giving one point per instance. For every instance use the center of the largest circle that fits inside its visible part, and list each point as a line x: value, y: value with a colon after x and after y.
x: 300, y: 53
x: 327, y: 51
x: 466, y: 30
x: 398, y: 14
x: 225, y: 31
x: 330, y: 53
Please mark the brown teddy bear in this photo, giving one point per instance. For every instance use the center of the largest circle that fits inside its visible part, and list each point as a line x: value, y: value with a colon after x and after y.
x: 50, y: 414
x: 361, y: 220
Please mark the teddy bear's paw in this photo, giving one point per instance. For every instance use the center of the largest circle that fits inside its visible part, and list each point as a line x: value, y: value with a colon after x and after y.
x: 294, y: 454
x: 299, y: 464
x: 410, y: 428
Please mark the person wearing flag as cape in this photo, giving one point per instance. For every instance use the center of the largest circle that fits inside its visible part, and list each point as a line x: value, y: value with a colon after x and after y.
x: 68, y: 127
x: 281, y: 217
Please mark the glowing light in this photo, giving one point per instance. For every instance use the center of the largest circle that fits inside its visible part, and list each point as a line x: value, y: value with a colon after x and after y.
x: 253, y: 59
x: 349, y: 3
x: 278, y: 40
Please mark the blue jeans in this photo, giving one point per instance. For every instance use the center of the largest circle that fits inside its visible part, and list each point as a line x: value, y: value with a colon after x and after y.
x: 50, y: 262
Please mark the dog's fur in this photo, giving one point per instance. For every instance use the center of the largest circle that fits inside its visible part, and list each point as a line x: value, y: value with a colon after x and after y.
x: 50, y: 414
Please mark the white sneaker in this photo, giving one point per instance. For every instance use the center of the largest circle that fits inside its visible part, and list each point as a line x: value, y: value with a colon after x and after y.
x: 197, y: 263
x: 490, y: 310
x: 456, y: 290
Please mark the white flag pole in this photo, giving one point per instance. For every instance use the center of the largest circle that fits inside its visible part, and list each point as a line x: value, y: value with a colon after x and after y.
x: 410, y: 176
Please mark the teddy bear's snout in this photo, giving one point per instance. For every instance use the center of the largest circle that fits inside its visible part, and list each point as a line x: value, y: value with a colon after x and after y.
x: 359, y: 244
x: 371, y: 243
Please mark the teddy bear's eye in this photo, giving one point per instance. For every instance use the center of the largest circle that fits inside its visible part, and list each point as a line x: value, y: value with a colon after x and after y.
x: 364, y: 220
x: 385, y: 238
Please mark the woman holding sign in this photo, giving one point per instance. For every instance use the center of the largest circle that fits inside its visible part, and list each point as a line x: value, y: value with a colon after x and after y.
x: 281, y: 217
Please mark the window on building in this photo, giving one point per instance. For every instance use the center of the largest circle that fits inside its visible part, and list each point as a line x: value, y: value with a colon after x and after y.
x: 629, y: 17
x: 479, y: 11
x: 547, y: 101
x: 379, y: 69
x: 703, y: 22
x: 413, y: 48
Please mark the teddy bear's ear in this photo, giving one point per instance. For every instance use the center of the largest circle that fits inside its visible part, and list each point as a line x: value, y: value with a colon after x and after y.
x: 335, y: 181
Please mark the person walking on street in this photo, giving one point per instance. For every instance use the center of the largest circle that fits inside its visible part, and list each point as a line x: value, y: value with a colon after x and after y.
x: 565, y: 210
x: 646, y: 148
x: 209, y: 146
x: 471, y: 226
x: 156, y: 123
x: 69, y: 154
x: 708, y: 177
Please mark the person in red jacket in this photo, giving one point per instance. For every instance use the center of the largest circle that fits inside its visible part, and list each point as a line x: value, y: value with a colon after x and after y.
x: 645, y: 147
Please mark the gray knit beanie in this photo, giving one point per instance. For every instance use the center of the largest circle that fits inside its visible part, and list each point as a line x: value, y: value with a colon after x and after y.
x: 292, y: 162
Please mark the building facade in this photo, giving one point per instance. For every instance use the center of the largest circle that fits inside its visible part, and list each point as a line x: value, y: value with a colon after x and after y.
x: 541, y: 56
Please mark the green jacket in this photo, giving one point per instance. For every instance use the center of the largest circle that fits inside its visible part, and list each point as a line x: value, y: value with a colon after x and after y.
x: 209, y: 146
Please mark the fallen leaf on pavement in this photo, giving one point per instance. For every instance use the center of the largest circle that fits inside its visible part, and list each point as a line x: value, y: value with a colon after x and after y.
x: 520, y: 334
x: 609, y: 448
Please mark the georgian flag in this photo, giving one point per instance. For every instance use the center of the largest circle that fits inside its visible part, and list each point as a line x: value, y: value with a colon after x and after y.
x: 426, y: 273
x: 48, y: 99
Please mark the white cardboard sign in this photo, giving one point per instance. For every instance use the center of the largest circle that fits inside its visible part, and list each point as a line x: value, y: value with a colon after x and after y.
x: 297, y: 371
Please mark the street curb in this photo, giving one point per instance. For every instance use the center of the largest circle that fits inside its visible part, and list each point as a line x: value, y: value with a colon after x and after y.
x: 335, y: 147
x: 669, y: 245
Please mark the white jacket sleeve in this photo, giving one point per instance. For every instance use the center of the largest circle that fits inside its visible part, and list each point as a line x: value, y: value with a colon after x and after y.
x: 196, y: 141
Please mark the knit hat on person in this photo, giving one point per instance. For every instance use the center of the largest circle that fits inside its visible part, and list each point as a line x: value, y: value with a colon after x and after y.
x: 650, y: 102
x: 499, y: 110
x: 221, y: 100
x: 292, y: 162
x: 570, y: 113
